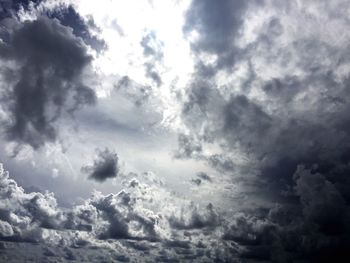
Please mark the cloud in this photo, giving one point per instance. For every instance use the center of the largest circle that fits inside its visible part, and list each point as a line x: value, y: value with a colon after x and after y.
x: 266, y: 108
x: 204, y: 176
x: 277, y: 119
x: 216, y: 27
x: 140, y: 94
x: 187, y: 147
x: 46, y: 81
x: 216, y: 24
x: 192, y: 218
x: 5, y: 229
x: 23, y: 215
x: 69, y: 17
x: 141, y: 218
x: 152, y: 49
x: 9, y: 8
x: 322, y: 202
x: 277, y: 122
x: 105, y: 166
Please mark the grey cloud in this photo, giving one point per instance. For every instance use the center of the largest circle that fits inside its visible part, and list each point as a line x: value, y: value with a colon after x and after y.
x: 188, y: 147
x: 221, y: 163
x: 276, y: 138
x: 152, y: 46
x: 193, y: 218
x: 312, y: 230
x: 216, y: 23
x: 69, y: 17
x: 118, y: 227
x: 50, y: 61
x: 152, y: 73
x: 204, y: 176
x: 152, y: 49
x: 292, y: 127
x: 196, y: 181
x: 106, y: 166
x: 5, y: 229
x: 9, y: 8
x: 23, y: 216
x: 322, y: 202
x: 140, y: 94
x: 26, y: 213
x: 121, y: 220
x: 245, y: 123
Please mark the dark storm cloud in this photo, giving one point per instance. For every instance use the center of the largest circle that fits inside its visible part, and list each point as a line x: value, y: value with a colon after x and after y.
x: 69, y: 17
x: 47, y: 79
x: 282, y: 137
x: 315, y: 230
x: 311, y: 221
x: 105, y: 166
x: 245, y: 121
x: 280, y: 124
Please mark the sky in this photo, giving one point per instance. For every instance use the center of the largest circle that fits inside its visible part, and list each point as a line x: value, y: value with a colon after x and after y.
x: 174, y: 131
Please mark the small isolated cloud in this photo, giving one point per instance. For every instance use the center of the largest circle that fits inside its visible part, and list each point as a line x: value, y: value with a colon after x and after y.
x: 105, y: 166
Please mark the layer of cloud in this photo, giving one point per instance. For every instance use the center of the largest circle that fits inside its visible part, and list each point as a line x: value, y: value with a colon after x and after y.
x: 141, y: 218
x: 266, y: 108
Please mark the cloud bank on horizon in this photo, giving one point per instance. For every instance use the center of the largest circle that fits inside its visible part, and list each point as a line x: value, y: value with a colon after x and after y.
x: 174, y: 131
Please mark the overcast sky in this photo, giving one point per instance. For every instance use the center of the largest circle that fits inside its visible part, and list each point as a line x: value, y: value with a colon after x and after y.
x: 174, y: 130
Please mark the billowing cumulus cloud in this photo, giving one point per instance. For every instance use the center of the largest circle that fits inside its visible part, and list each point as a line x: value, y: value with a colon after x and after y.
x: 139, y: 218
